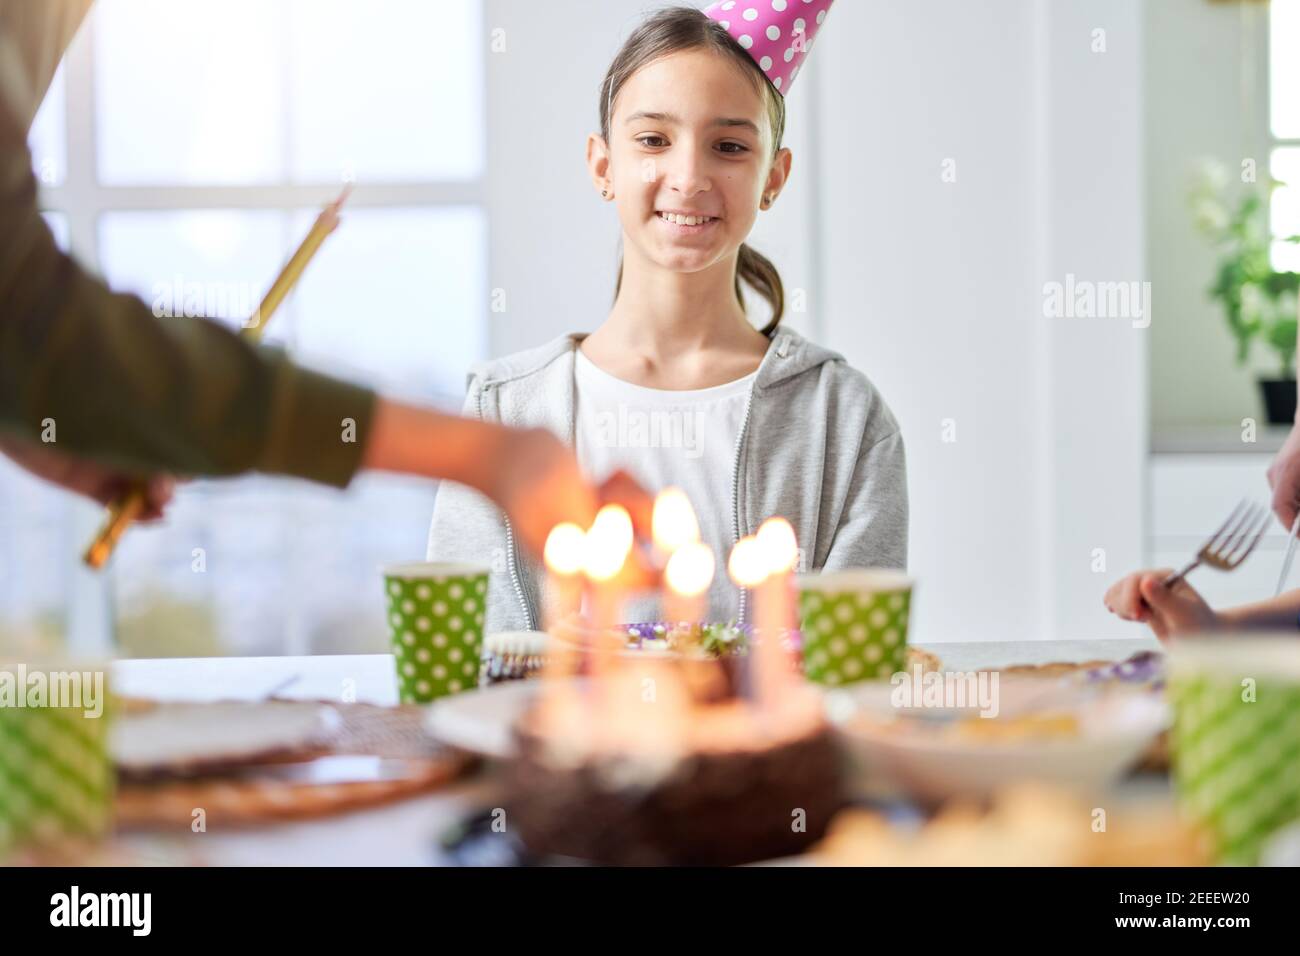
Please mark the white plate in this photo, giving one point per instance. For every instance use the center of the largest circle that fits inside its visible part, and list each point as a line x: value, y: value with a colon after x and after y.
x: 183, y: 737
x: 1115, y: 731
x: 932, y: 765
x: 480, y: 721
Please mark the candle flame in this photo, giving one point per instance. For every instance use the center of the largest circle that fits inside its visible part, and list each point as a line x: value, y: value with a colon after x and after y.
x: 608, y: 543
x: 780, y: 550
x: 563, y: 553
x: 746, y: 564
x: 690, y: 570
x: 673, y: 523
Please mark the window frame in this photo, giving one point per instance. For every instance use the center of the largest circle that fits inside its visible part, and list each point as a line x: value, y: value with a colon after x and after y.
x: 1271, y: 141
x: 81, y: 200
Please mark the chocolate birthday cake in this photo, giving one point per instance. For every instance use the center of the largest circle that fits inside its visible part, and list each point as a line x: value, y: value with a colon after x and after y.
x: 681, y: 780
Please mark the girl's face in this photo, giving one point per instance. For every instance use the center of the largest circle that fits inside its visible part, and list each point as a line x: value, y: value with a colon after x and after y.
x: 690, y: 135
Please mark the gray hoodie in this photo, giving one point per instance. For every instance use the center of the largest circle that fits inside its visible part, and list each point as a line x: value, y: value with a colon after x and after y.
x: 817, y: 445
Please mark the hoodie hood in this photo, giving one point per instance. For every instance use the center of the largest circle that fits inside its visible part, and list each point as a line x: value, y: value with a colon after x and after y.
x: 788, y: 355
x: 818, y: 445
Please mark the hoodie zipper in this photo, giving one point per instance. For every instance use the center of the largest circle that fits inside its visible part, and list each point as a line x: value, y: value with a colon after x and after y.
x: 782, y: 346
x: 511, y: 553
x: 735, y: 491
x: 514, y: 577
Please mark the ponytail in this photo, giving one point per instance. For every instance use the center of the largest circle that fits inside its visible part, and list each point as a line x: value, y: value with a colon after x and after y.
x: 756, y: 269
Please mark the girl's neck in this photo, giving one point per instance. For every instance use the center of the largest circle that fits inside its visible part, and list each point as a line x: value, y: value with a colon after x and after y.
x: 677, y: 330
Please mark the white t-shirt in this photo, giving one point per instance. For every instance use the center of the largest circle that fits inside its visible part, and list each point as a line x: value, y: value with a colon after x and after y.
x: 662, y: 438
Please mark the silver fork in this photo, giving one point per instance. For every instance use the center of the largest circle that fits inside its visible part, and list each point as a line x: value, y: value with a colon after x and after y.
x: 1232, y: 543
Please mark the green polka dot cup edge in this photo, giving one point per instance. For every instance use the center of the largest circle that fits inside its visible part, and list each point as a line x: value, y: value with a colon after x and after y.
x: 1235, y: 741
x: 56, y: 770
x: 854, y: 624
x: 435, y: 614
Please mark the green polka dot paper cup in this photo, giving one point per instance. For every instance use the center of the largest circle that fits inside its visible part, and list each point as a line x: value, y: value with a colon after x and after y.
x: 854, y: 624
x: 435, y: 618
x: 56, y: 769
x: 1235, y: 741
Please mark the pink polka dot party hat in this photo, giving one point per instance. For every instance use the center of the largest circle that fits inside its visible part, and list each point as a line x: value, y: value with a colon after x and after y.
x: 778, y: 34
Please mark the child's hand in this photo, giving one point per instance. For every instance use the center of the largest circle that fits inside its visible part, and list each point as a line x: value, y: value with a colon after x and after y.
x: 621, y: 488
x: 97, y: 481
x: 535, y: 479
x: 1169, y: 611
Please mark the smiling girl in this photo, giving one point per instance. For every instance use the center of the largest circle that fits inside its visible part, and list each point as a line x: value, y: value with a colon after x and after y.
x: 677, y: 386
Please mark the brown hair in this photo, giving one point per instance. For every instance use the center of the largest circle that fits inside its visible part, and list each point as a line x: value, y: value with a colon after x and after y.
x: 673, y: 30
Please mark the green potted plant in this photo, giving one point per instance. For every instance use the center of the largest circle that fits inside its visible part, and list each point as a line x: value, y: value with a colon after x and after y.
x: 1258, y: 301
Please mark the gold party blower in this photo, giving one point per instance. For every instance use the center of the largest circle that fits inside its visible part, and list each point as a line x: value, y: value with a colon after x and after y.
x: 127, y: 508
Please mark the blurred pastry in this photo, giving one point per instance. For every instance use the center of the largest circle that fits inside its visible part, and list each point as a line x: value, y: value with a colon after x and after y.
x: 513, y: 655
x: 1026, y: 825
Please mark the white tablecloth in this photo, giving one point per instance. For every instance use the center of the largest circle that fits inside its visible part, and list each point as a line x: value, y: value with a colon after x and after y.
x: 405, y: 834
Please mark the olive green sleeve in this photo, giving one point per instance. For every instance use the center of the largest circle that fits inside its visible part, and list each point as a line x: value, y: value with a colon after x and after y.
x: 108, y: 380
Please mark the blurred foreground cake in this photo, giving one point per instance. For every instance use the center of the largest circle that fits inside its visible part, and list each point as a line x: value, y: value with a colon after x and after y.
x: 649, y: 765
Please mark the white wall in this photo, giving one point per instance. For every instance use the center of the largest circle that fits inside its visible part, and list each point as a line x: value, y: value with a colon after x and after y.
x: 929, y: 283
x: 935, y: 289
x: 932, y: 288
x: 1091, y: 222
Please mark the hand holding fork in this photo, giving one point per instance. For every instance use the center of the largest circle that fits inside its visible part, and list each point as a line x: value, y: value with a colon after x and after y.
x: 1228, y: 547
x: 1170, y: 608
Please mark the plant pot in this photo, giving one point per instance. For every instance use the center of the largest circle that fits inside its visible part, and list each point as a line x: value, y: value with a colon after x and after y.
x: 1279, y: 399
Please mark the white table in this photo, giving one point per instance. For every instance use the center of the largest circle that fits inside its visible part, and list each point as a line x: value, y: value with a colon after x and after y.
x: 405, y: 834
x: 401, y: 834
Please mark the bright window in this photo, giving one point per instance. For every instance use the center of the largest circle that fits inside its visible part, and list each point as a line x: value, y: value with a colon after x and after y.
x: 49, y: 135
x: 1284, y: 123
x: 184, y: 158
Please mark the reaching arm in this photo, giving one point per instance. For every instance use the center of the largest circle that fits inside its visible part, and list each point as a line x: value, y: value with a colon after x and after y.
x: 96, y: 375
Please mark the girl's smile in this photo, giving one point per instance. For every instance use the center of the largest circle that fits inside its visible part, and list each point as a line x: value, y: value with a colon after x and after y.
x: 685, y: 226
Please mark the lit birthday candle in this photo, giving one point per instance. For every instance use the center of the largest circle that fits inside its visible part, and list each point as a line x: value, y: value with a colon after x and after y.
x: 673, y: 522
x: 606, y: 547
x: 762, y: 564
x: 563, y: 556
x: 781, y: 552
x: 775, y: 616
x: 687, y: 577
x: 651, y: 706
x: 745, y: 564
x: 676, y: 531
x: 748, y: 570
